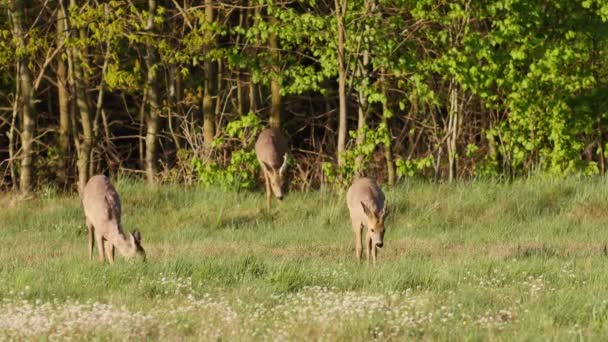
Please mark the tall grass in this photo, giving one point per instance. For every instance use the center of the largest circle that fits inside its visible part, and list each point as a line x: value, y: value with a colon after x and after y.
x: 467, y: 261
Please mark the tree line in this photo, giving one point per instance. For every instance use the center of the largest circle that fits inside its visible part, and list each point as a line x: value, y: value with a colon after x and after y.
x: 177, y: 90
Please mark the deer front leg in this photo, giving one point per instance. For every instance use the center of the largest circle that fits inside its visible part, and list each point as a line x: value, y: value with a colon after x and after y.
x: 368, y: 246
x: 90, y: 228
x: 100, y: 247
x: 358, y: 247
x: 109, y: 249
x: 374, y: 253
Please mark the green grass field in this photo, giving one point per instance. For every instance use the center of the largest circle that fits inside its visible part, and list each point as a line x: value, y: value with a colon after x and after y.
x: 474, y: 261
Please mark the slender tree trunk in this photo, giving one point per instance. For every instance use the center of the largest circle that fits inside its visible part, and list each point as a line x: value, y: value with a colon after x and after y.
x: 92, y: 140
x: 362, y: 116
x: 595, y: 57
x: 388, y: 151
x: 97, y: 117
x: 64, y: 101
x: 241, y: 90
x: 363, y: 109
x: 152, y: 116
x: 142, y: 119
x: 240, y: 96
x: 452, y: 131
x: 218, y: 89
x: 275, y: 85
x: 437, y: 164
x: 253, y: 105
x: 172, y: 104
x: 210, y: 83
x: 84, y: 153
x: 602, y: 157
x: 340, y: 13
x: 24, y: 76
x: 11, y: 138
x: 493, y: 149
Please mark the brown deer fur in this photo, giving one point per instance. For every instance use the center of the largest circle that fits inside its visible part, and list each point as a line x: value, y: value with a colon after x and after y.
x: 271, y: 150
x: 102, y: 211
x: 367, y: 207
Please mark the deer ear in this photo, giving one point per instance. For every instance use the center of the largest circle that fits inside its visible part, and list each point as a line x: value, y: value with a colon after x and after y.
x: 366, y: 210
x: 136, y: 236
x: 384, y: 210
x: 284, y: 166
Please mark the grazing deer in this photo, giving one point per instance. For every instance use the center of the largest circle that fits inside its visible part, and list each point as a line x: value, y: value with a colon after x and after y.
x: 367, y: 208
x: 102, y: 210
x: 271, y: 150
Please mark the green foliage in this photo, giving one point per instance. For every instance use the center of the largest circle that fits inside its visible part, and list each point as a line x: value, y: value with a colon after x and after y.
x: 356, y: 159
x: 239, y: 174
x: 246, y: 129
x: 7, y: 53
x: 241, y: 171
x: 412, y: 168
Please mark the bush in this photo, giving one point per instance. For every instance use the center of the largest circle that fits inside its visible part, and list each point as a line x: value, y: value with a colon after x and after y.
x: 240, y: 172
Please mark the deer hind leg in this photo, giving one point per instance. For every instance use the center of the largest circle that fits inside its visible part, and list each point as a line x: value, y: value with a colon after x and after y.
x: 109, y: 249
x: 358, y: 248
x: 91, y: 230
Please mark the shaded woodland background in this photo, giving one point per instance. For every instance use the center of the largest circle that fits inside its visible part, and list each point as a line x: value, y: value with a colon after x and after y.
x: 177, y: 91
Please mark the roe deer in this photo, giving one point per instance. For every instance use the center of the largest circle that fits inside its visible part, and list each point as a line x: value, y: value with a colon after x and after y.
x: 367, y: 208
x: 102, y: 211
x: 271, y: 150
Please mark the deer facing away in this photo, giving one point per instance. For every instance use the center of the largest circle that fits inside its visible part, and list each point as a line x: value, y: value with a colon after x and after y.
x: 271, y: 150
x: 102, y: 210
x: 367, y: 208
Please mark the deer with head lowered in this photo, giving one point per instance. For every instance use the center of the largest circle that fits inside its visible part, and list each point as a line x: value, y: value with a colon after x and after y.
x: 271, y: 150
x: 367, y: 208
x: 102, y: 211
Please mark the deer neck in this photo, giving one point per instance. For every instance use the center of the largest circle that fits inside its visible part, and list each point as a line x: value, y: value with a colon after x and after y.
x: 120, y: 241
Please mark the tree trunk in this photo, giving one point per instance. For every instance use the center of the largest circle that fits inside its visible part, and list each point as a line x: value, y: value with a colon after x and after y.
x: 240, y: 96
x: 173, y: 104
x: 241, y: 91
x: 218, y: 89
x: 253, y: 105
x: 388, y: 150
x: 209, y: 88
x: 602, y: 158
x: 84, y: 151
x: 153, y: 107
x: 64, y: 102
x: 340, y: 13
x: 97, y: 118
x: 363, y: 110
x: 452, y: 131
x: 11, y: 139
x: 24, y: 76
x: 275, y: 85
x: 142, y: 120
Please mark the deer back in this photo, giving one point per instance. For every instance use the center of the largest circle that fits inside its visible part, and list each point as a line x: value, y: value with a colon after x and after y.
x: 271, y: 147
x: 367, y: 191
x: 102, y: 204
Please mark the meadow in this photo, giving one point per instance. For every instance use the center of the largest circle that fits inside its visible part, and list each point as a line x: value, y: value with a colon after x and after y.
x: 470, y: 261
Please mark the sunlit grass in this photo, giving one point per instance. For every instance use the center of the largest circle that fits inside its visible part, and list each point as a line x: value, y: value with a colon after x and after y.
x: 466, y: 261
